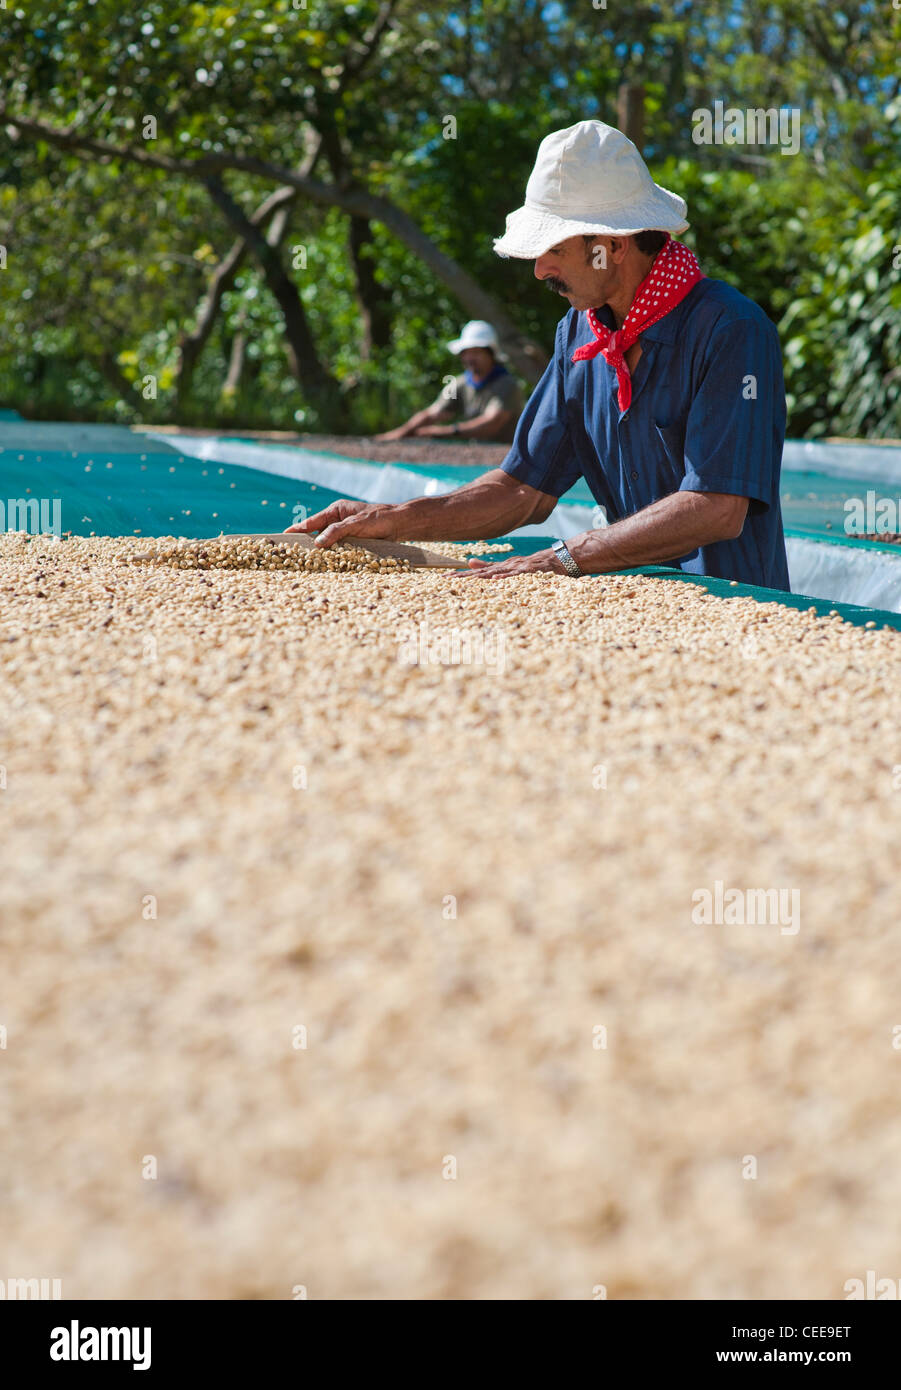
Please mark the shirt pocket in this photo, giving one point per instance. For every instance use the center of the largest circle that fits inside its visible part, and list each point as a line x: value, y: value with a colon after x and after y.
x: 672, y: 438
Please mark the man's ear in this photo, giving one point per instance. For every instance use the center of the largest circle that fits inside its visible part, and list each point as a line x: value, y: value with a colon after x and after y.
x: 619, y: 245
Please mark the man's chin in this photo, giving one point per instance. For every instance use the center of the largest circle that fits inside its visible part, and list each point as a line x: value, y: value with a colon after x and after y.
x: 574, y: 301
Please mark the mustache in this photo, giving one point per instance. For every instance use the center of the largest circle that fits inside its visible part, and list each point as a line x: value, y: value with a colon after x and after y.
x: 557, y: 286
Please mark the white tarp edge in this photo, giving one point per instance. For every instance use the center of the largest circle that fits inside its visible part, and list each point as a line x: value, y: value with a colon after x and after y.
x: 869, y: 462
x: 871, y: 578
x: 367, y: 481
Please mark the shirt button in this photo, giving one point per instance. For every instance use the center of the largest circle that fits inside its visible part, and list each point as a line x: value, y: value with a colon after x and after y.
x: 634, y: 475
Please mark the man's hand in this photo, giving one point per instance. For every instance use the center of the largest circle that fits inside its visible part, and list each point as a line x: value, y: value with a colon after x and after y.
x: 346, y: 519
x: 389, y: 436
x: 517, y: 564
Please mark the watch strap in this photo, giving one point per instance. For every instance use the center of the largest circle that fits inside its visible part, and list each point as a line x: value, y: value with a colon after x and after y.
x: 561, y: 551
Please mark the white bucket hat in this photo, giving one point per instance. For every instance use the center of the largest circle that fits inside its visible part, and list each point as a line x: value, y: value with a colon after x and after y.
x: 476, y: 334
x: 588, y: 178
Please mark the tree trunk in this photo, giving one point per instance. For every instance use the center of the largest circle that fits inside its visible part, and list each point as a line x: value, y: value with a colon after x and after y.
x: 303, y: 359
x: 375, y: 301
x: 192, y: 343
x: 630, y: 112
x: 275, y: 206
x: 235, y: 359
x: 116, y: 377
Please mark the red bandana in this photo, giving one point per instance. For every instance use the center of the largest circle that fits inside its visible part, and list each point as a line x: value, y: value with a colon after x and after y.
x: 674, y: 272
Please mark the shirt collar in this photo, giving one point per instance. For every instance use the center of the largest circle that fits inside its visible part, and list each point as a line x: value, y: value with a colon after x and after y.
x: 665, y: 330
x: 497, y: 370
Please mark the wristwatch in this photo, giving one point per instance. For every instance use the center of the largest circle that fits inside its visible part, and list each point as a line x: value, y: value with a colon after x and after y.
x: 566, y: 560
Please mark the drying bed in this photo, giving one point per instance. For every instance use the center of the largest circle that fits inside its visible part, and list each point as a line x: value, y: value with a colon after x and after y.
x: 332, y: 961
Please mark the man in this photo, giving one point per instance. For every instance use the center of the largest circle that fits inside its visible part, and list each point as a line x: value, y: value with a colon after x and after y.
x: 665, y: 392
x: 485, y: 395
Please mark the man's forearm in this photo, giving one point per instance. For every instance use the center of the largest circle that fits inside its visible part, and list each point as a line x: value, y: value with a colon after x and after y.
x: 428, y: 416
x: 666, y: 530
x: 486, y: 426
x: 480, y: 509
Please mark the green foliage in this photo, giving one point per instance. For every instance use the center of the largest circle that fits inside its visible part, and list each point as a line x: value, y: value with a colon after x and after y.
x: 108, y: 261
x: 842, y: 334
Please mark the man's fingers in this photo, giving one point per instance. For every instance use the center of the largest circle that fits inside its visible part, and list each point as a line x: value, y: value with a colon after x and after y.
x: 487, y: 569
x: 336, y: 511
x: 315, y: 523
x: 349, y: 518
x: 335, y: 532
x: 473, y: 564
x: 372, y: 523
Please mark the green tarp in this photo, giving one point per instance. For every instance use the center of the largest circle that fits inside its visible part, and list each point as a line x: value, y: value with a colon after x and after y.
x: 111, y: 481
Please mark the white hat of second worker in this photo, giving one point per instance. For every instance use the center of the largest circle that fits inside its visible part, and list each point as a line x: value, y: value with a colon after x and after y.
x: 588, y: 178
x: 476, y: 333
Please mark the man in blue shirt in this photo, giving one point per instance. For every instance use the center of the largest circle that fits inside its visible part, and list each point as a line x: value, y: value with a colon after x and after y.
x: 668, y: 398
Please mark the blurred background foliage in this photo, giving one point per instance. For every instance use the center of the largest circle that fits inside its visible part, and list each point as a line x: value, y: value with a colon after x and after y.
x: 110, y: 261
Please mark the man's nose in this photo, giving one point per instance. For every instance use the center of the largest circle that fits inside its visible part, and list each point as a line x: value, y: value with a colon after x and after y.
x: 542, y: 267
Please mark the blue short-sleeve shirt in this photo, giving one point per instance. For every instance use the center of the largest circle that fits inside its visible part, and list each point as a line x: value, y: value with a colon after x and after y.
x: 707, y: 415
